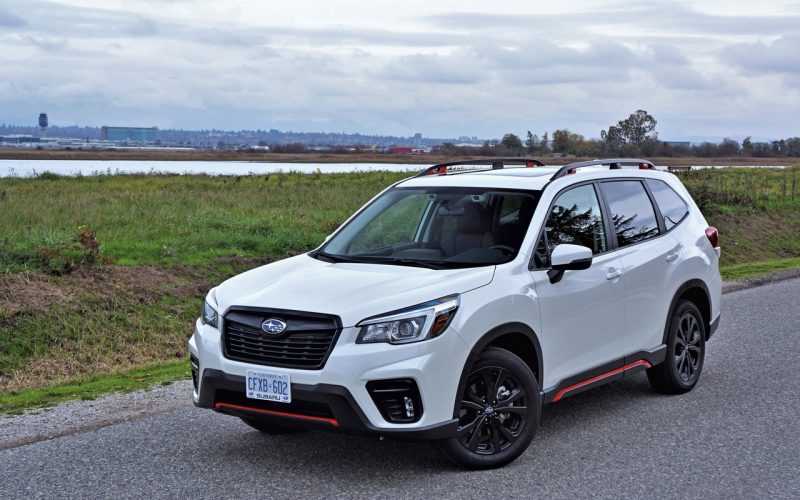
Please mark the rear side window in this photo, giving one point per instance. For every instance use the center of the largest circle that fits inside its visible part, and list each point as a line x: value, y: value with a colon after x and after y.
x: 632, y: 213
x: 672, y: 206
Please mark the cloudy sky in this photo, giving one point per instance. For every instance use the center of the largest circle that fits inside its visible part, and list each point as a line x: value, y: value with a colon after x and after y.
x: 705, y: 68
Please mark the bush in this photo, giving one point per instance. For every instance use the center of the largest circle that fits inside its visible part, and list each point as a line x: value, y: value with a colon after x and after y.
x: 65, y: 256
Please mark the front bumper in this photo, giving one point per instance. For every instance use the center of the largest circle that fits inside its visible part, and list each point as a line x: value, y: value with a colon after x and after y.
x: 339, y: 390
x: 324, y: 406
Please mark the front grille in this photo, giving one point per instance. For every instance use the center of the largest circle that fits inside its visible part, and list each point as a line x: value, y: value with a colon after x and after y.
x: 305, y: 343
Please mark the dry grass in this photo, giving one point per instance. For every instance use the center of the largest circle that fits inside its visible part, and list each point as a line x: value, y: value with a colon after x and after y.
x: 56, y: 328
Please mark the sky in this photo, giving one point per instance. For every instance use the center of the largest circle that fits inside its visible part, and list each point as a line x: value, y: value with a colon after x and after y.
x: 703, y: 69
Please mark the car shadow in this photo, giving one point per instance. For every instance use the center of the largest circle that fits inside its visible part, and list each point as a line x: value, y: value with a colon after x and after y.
x: 355, y: 456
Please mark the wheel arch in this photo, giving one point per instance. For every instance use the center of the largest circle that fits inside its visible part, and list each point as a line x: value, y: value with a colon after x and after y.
x: 695, y: 291
x: 517, y: 338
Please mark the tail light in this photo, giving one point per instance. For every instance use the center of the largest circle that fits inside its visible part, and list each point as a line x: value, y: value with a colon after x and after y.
x: 713, y: 236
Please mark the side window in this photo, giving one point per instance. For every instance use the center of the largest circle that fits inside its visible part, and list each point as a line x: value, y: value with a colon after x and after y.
x: 672, y: 206
x: 575, y: 218
x: 509, y: 210
x: 632, y: 213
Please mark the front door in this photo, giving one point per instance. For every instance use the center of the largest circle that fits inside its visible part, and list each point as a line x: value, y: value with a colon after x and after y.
x: 582, y: 314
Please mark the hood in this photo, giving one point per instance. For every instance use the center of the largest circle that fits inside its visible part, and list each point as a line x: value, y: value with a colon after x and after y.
x: 352, y: 291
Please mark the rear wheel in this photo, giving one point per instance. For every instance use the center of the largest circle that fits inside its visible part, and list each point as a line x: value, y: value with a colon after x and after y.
x: 686, y: 347
x: 270, y: 427
x: 498, y: 414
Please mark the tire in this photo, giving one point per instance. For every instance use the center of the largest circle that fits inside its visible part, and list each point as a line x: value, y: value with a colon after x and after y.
x: 488, y: 437
x: 686, y: 349
x: 270, y: 426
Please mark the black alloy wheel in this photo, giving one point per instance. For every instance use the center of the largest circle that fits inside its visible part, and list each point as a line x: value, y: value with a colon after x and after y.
x: 688, y: 353
x: 498, y: 412
x: 686, y: 346
x: 493, y: 410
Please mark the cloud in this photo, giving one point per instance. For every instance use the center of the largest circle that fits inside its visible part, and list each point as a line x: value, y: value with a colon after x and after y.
x: 781, y: 56
x: 47, y: 44
x: 204, y: 64
x: 9, y: 19
x: 668, y: 17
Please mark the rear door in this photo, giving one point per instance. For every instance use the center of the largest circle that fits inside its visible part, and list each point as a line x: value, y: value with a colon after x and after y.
x: 582, y: 315
x: 649, y: 256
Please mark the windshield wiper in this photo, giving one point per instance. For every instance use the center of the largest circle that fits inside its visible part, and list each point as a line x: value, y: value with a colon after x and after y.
x: 429, y: 264
x: 337, y: 258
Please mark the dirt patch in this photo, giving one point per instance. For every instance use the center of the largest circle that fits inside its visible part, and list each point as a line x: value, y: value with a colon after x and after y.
x: 98, y: 319
x: 38, y: 292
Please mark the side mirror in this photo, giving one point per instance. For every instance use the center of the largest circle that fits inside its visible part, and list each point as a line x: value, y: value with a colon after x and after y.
x: 567, y: 257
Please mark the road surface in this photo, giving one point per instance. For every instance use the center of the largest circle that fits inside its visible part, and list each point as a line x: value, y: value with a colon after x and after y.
x: 735, y: 435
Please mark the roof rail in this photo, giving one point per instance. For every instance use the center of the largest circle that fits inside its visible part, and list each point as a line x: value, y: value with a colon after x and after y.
x: 494, y: 163
x: 613, y: 164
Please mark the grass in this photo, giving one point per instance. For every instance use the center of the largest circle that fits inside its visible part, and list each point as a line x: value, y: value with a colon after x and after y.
x: 161, y: 219
x: 171, y: 237
x: 92, y: 387
x: 760, y: 268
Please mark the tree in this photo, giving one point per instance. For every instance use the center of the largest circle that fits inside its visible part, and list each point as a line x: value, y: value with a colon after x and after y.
x: 565, y: 141
x: 728, y: 147
x: 544, y: 145
x: 511, y: 141
x: 747, y: 146
x: 532, y: 142
x: 638, y: 127
x: 613, y: 139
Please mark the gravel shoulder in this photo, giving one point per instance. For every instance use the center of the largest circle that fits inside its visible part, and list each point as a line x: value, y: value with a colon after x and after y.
x: 81, y: 416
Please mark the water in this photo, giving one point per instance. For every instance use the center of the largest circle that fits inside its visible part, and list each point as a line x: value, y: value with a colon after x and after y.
x: 29, y: 168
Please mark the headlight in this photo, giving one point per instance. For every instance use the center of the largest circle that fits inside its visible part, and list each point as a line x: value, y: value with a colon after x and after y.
x: 421, y: 322
x: 210, y: 316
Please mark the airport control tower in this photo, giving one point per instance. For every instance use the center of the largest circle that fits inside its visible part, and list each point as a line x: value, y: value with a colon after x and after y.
x: 43, y: 124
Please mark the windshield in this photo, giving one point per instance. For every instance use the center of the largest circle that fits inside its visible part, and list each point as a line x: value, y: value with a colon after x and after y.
x: 436, y: 227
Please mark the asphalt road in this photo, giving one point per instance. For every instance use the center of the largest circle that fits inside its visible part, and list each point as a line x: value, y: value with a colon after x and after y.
x: 735, y: 435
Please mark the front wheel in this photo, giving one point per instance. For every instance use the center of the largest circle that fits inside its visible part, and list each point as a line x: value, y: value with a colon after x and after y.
x: 498, y: 414
x: 686, y: 346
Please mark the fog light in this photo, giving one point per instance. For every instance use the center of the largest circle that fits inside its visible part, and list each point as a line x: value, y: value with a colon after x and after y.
x: 398, y: 400
x: 409, y: 407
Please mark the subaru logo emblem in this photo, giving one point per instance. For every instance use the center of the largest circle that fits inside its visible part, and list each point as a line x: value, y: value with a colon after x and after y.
x: 273, y: 326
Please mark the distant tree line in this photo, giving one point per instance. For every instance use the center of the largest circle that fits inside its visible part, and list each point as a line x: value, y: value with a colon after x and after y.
x: 633, y: 136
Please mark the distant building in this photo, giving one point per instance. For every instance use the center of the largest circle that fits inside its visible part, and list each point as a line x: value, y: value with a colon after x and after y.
x: 43, y: 124
x: 128, y: 134
x: 18, y: 139
x: 678, y: 144
x: 400, y: 150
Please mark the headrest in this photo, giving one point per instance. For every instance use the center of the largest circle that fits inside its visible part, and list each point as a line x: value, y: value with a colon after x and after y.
x: 474, y: 219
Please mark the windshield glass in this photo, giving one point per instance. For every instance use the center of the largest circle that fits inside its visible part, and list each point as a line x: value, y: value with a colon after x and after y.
x: 436, y: 227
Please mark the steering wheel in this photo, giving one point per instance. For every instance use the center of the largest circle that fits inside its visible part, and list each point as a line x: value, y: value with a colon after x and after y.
x: 505, y: 248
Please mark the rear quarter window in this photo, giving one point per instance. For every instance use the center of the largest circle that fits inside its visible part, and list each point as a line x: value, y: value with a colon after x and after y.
x: 632, y: 214
x: 673, y: 207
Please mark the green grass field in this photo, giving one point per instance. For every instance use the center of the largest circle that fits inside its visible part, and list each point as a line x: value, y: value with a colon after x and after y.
x: 65, y: 323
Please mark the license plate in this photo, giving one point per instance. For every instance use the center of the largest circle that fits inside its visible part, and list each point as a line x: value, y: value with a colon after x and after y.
x: 268, y: 386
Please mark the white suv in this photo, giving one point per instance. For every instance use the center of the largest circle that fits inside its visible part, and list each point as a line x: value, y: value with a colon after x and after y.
x: 456, y: 303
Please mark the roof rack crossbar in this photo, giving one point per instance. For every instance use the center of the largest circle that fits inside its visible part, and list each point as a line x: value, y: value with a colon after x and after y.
x: 493, y: 163
x: 612, y: 163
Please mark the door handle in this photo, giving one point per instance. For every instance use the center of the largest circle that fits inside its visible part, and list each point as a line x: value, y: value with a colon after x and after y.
x: 613, y: 273
x: 672, y: 256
